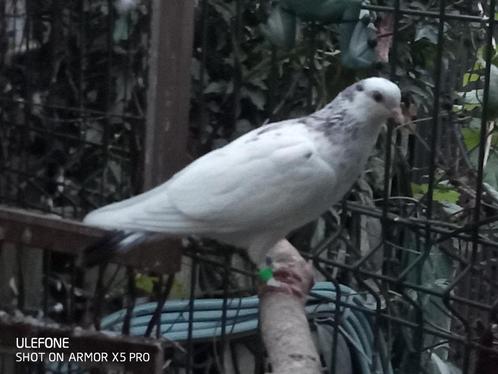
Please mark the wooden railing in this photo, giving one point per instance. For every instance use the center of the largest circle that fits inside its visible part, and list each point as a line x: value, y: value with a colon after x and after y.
x: 71, y: 237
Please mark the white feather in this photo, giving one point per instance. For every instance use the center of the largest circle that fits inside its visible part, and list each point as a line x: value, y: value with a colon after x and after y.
x: 255, y: 190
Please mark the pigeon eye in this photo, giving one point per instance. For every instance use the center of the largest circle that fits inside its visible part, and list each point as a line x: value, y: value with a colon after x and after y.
x: 377, y: 96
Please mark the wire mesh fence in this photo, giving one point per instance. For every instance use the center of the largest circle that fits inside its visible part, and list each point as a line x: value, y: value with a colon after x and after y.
x: 408, y: 261
x: 73, y: 100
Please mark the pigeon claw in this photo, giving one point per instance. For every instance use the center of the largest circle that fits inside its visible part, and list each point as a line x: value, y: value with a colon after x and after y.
x: 285, y: 281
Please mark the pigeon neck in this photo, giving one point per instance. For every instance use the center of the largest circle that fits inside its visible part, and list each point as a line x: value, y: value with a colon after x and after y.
x: 328, y: 111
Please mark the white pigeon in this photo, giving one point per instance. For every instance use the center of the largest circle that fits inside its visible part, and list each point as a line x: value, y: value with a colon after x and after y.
x: 255, y: 190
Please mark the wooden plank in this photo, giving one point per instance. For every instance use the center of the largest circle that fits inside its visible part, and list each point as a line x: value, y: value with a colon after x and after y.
x: 72, y: 237
x: 168, y: 97
x: 83, y: 341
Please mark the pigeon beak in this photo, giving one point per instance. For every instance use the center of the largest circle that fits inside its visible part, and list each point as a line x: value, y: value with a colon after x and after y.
x: 397, y: 115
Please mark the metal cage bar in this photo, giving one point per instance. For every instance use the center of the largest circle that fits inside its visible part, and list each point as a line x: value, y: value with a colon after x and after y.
x: 412, y: 232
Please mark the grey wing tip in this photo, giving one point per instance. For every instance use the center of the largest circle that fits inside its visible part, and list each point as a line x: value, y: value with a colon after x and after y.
x: 109, y: 246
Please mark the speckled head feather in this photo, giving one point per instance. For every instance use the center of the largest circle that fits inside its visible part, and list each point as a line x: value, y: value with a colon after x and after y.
x: 371, y: 100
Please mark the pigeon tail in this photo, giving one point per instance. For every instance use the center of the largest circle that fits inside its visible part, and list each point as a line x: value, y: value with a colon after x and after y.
x: 113, y: 244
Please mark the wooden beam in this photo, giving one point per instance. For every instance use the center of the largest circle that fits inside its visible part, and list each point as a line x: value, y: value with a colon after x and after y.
x: 168, y: 97
x: 62, y: 235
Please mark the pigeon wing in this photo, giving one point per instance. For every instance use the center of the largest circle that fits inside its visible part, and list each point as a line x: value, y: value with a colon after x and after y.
x: 246, y: 184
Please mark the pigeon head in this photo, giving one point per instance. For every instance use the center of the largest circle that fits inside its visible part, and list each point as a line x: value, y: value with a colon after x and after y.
x: 376, y: 97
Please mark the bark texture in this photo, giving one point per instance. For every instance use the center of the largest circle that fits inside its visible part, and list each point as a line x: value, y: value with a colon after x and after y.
x: 284, y: 326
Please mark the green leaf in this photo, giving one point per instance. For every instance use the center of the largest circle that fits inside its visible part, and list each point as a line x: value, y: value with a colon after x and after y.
x: 256, y: 97
x: 145, y: 282
x: 471, y: 138
x: 419, y: 189
x: 442, y: 193
x: 281, y: 28
x: 470, y: 107
x: 448, y: 196
x: 216, y: 87
x: 428, y: 32
x: 470, y: 77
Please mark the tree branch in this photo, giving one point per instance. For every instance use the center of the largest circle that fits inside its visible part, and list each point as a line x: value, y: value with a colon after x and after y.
x: 284, y: 326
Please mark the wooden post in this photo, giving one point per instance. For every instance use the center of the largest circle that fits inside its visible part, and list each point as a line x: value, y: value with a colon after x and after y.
x: 168, y: 97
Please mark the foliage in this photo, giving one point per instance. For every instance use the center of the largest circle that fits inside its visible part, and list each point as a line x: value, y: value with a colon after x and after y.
x: 245, y: 81
x: 356, y: 33
x: 297, y: 79
x: 441, y: 193
x: 73, y: 126
x: 73, y: 80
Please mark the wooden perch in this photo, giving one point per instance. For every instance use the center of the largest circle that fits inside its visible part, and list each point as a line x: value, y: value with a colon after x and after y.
x: 284, y: 326
x: 71, y: 237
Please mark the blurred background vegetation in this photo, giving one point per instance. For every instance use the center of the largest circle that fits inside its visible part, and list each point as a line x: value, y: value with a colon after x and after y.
x: 73, y: 80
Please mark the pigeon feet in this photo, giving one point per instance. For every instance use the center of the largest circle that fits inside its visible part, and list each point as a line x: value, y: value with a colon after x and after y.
x: 285, y: 281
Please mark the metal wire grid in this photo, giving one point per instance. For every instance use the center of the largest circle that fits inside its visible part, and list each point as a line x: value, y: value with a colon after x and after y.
x: 470, y: 294
x: 72, y: 104
x: 399, y: 319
